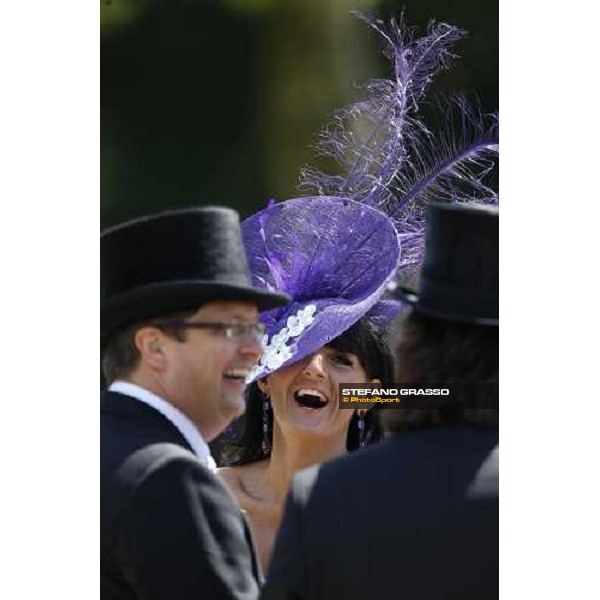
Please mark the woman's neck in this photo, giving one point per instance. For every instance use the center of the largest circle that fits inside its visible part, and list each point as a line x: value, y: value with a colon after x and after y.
x: 294, y: 453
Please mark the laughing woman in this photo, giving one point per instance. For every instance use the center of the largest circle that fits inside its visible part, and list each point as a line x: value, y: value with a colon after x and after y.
x: 335, y: 256
x: 329, y: 336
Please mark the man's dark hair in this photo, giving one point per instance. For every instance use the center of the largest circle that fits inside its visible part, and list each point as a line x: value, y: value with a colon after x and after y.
x: 365, y: 340
x: 120, y: 355
x: 435, y: 351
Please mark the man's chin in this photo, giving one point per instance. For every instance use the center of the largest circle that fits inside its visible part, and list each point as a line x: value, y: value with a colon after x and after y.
x: 233, y: 406
x: 229, y: 409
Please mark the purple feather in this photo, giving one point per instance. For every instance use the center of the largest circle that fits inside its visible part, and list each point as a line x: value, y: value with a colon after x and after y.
x: 391, y: 160
x: 274, y: 264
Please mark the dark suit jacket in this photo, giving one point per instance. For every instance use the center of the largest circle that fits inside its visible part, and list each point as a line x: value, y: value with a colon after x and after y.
x: 169, y: 528
x: 414, y: 517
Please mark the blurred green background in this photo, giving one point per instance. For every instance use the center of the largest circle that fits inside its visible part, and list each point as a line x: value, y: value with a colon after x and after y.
x: 218, y: 101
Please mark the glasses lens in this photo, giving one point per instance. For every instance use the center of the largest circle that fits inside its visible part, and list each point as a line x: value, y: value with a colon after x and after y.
x: 253, y: 331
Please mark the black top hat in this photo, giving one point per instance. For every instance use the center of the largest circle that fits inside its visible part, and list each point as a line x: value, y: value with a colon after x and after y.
x: 172, y: 261
x: 459, y: 277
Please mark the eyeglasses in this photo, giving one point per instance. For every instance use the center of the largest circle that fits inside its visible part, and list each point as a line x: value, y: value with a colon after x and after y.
x: 232, y: 331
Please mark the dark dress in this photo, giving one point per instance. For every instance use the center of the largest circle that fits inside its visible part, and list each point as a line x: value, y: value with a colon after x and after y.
x: 169, y: 528
x: 414, y: 517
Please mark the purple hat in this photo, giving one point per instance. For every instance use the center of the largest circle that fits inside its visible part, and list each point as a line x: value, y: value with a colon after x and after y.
x: 335, y: 251
x: 333, y: 255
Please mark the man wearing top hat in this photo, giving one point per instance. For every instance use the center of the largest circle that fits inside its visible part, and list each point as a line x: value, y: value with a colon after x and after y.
x: 179, y: 334
x: 417, y: 515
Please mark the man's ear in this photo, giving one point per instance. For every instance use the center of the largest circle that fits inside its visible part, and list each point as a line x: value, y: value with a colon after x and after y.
x: 150, y: 344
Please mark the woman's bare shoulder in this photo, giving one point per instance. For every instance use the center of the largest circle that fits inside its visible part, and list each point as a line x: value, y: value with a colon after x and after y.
x: 229, y: 474
x: 236, y: 477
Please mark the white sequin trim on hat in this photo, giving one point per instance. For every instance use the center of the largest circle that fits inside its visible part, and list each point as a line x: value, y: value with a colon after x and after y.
x: 277, y: 351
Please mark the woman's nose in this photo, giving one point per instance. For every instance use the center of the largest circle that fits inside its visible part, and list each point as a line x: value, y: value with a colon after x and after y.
x: 315, y: 365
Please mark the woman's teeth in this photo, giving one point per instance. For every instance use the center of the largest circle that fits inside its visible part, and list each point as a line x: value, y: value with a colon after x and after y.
x: 309, y: 398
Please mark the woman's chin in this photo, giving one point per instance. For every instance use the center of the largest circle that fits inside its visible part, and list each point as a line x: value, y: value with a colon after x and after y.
x: 318, y: 422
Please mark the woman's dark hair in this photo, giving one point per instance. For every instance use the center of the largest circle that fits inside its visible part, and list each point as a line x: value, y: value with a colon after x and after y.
x: 365, y: 340
x: 437, y: 352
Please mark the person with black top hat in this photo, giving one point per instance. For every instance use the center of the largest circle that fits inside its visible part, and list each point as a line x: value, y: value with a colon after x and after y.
x: 179, y: 335
x: 415, y: 516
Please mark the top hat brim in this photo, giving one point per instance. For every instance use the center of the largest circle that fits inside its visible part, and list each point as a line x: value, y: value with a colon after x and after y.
x: 149, y: 301
x: 412, y: 298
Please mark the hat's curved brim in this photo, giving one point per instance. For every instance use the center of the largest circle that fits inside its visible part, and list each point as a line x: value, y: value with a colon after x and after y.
x: 333, y: 255
x: 149, y: 301
x: 412, y: 298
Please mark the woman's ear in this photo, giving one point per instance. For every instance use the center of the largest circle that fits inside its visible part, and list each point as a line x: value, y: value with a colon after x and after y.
x: 263, y: 386
x: 375, y: 381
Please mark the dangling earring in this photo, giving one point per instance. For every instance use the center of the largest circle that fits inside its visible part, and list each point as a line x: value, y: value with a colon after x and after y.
x: 362, y: 438
x: 266, y: 443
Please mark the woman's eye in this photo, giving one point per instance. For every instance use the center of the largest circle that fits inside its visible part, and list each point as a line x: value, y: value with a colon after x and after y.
x: 342, y: 359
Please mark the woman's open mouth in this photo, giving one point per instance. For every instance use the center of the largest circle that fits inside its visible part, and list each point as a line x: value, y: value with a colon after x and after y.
x: 308, y: 398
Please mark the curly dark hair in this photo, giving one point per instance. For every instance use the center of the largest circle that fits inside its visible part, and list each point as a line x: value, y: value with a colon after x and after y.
x: 364, y: 339
x: 435, y: 351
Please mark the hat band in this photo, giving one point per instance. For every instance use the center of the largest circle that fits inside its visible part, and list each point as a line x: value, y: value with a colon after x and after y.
x: 467, y: 301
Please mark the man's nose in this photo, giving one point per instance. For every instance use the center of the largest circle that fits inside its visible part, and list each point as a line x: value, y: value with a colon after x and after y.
x: 251, y: 347
x: 315, y: 365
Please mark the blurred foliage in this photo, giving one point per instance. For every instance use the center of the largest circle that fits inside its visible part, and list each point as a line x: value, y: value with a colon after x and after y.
x: 218, y: 101
x: 117, y: 13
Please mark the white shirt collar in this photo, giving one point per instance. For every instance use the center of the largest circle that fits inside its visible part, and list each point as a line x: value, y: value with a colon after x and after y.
x: 187, y: 429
